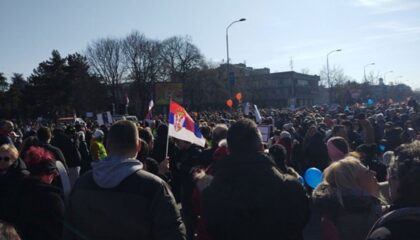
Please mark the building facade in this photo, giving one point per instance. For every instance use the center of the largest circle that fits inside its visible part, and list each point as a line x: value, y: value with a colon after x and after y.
x: 259, y: 86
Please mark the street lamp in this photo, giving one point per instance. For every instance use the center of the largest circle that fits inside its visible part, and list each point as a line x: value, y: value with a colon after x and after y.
x: 387, y: 73
x: 328, y: 74
x: 227, y: 53
x: 364, y: 69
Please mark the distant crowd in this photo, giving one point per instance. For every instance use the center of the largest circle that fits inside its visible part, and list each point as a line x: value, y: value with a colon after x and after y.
x: 128, y: 180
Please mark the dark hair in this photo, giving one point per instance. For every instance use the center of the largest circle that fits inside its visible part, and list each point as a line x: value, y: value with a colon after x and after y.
x: 122, y: 137
x: 393, y: 137
x: 43, y: 134
x: 146, y: 135
x: 336, y: 129
x: 279, y: 153
x: 219, y: 133
x: 347, y: 123
x: 206, y: 131
x: 360, y: 116
x: 370, y: 150
x: 144, y: 150
x: 244, y: 137
x: 405, y: 137
x: 407, y: 169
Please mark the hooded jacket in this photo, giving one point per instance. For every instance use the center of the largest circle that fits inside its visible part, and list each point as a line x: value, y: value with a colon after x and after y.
x: 351, y: 217
x: 118, y: 200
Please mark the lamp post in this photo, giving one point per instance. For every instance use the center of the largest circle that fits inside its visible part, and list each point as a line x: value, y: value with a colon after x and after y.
x: 387, y: 73
x: 328, y: 74
x: 364, y: 69
x: 230, y: 81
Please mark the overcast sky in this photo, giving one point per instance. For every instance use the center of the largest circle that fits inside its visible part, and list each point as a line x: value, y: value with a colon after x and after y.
x: 386, y: 32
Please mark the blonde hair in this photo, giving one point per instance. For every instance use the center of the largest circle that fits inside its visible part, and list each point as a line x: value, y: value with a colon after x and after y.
x: 7, y: 231
x: 11, y: 149
x: 343, y: 174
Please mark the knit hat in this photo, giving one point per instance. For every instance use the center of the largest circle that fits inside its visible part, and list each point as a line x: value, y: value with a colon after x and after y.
x: 334, y: 152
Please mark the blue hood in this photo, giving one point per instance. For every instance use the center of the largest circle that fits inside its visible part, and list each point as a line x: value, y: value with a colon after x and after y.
x: 112, y: 170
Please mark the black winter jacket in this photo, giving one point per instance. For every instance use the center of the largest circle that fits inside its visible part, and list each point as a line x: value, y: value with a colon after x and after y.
x: 68, y: 148
x: 250, y: 199
x: 140, y: 207
x: 9, y: 183
x: 36, y: 210
x: 402, y: 222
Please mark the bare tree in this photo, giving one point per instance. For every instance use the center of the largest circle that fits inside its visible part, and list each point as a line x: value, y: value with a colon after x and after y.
x: 305, y: 70
x: 337, y: 76
x: 372, y: 77
x: 142, y: 57
x: 179, y: 57
x: 106, y: 58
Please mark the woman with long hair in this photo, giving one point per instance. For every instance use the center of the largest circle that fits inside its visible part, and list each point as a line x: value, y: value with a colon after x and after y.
x: 348, y: 200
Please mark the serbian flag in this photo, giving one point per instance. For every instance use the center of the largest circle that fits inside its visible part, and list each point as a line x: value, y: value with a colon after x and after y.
x: 182, y: 126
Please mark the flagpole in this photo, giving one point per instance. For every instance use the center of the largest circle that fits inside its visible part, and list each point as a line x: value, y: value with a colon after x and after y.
x: 167, y: 136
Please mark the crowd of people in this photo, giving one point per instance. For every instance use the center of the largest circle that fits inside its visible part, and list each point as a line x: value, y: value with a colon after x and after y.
x: 128, y: 181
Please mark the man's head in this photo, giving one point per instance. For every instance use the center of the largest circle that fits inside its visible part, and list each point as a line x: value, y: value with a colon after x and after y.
x: 6, y: 126
x: 219, y: 133
x: 404, y: 174
x: 339, y: 131
x: 41, y: 164
x: 244, y: 137
x: 123, y: 139
x: 44, y: 134
x: 147, y: 136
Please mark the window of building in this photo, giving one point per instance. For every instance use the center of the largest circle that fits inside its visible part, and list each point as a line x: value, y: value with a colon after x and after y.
x: 302, y: 82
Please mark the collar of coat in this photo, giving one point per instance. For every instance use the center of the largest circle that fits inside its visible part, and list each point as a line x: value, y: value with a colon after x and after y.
x: 234, y: 160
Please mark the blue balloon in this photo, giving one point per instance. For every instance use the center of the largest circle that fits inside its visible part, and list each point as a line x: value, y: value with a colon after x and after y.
x: 370, y: 102
x: 313, y: 177
x: 382, y: 147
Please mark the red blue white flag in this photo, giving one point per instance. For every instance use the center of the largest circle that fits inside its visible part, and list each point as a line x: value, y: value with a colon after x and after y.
x: 182, y: 126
